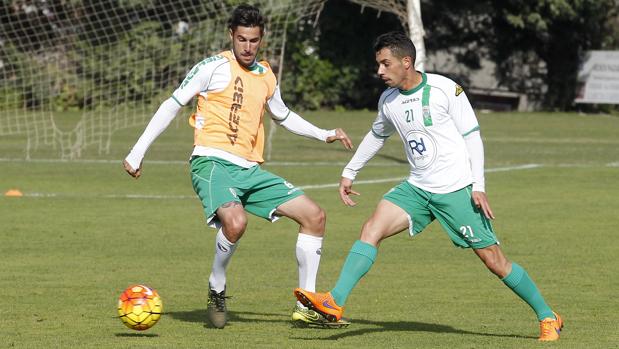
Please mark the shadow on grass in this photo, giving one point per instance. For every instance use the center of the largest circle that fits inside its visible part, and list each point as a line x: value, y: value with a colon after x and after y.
x: 404, y: 326
x: 137, y: 335
x: 199, y: 316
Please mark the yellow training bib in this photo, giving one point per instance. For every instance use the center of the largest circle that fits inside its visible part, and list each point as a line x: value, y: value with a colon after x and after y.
x: 231, y: 120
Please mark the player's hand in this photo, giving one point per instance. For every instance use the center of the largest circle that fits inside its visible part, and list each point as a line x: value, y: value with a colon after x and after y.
x: 135, y: 173
x: 341, y: 136
x: 346, y: 191
x: 480, y: 200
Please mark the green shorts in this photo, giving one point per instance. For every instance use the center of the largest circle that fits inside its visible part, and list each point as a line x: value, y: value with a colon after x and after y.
x: 217, y: 181
x: 464, y: 223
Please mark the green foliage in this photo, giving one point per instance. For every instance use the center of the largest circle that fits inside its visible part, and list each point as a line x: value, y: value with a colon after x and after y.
x: 10, y: 96
x: 545, y: 40
x: 135, y: 3
x: 114, y: 65
x: 350, y: 47
x: 537, y: 46
x: 11, y: 99
x: 112, y: 56
x: 315, y: 83
x: 332, y: 65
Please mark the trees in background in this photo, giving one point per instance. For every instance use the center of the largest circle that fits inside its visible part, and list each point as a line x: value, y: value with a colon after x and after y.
x: 536, y: 46
x: 332, y: 64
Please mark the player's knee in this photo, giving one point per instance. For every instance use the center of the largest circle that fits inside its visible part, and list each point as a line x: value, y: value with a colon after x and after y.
x: 234, y: 228
x: 371, y: 232
x: 498, y: 265
x: 317, y: 220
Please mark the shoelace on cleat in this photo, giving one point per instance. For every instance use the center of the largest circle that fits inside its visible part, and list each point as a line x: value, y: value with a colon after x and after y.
x: 219, y: 299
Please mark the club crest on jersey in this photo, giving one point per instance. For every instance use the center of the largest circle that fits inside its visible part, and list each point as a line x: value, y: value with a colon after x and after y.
x: 422, y: 148
x: 459, y: 90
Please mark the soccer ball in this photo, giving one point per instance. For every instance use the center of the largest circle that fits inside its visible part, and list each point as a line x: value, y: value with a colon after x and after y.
x: 139, y: 307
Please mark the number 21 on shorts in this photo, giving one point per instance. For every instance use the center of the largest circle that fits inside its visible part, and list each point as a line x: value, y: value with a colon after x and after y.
x: 467, y: 231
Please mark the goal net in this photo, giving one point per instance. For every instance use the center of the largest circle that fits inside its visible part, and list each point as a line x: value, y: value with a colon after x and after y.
x: 74, y: 72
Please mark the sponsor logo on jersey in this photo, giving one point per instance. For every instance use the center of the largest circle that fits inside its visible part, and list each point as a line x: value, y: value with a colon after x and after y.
x: 423, y: 149
x: 459, y: 90
x: 235, y: 116
x: 409, y: 100
x: 418, y: 146
x: 319, y: 251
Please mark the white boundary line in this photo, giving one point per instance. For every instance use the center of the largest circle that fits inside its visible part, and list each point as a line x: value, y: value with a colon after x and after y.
x: 109, y: 196
x: 397, y: 179
x: 270, y: 163
x: 305, y: 187
x: 88, y: 161
x: 179, y: 162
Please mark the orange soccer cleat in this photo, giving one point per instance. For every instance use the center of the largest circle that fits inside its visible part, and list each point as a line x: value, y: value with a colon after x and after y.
x: 322, y: 303
x: 550, y: 328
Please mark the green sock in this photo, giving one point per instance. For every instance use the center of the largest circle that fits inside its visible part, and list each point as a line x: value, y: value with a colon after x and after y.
x: 522, y: 285
x: 359, y: 261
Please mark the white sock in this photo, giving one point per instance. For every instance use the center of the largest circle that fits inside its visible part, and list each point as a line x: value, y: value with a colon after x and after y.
x: 308, y: 258
x: 224, y: 250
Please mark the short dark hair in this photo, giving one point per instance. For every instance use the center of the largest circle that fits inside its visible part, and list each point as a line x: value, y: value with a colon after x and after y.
x: 246, y: 15
x: 399, y: 44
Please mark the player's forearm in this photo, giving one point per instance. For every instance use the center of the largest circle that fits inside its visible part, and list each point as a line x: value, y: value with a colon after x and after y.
x: 370, y: 145
x: 299, y: 126
x: 160, y: 121
x: 475, y: 147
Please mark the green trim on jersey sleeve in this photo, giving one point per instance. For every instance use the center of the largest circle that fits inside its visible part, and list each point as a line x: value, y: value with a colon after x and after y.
x: 285, y: 117
x: 476, y: 128
x: 197, y: 67
x: 425, y: 106
x: 176, y: 100
x: 377, y: 135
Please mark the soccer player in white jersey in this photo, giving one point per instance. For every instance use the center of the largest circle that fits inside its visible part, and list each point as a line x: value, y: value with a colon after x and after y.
x: 233, y: 89
x: 442, y: 142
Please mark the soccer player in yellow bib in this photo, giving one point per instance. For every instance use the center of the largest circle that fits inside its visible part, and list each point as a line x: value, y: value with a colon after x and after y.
x: 233, y: 89
x: 441, y: 139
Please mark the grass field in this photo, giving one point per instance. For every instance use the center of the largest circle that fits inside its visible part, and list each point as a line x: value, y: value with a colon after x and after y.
x: 84, y: 231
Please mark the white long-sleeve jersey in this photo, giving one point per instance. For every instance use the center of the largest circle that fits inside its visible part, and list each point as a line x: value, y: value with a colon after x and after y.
x: 439, y: 131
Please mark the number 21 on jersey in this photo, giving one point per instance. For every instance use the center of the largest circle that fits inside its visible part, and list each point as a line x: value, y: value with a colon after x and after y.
x: 409, y: 115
